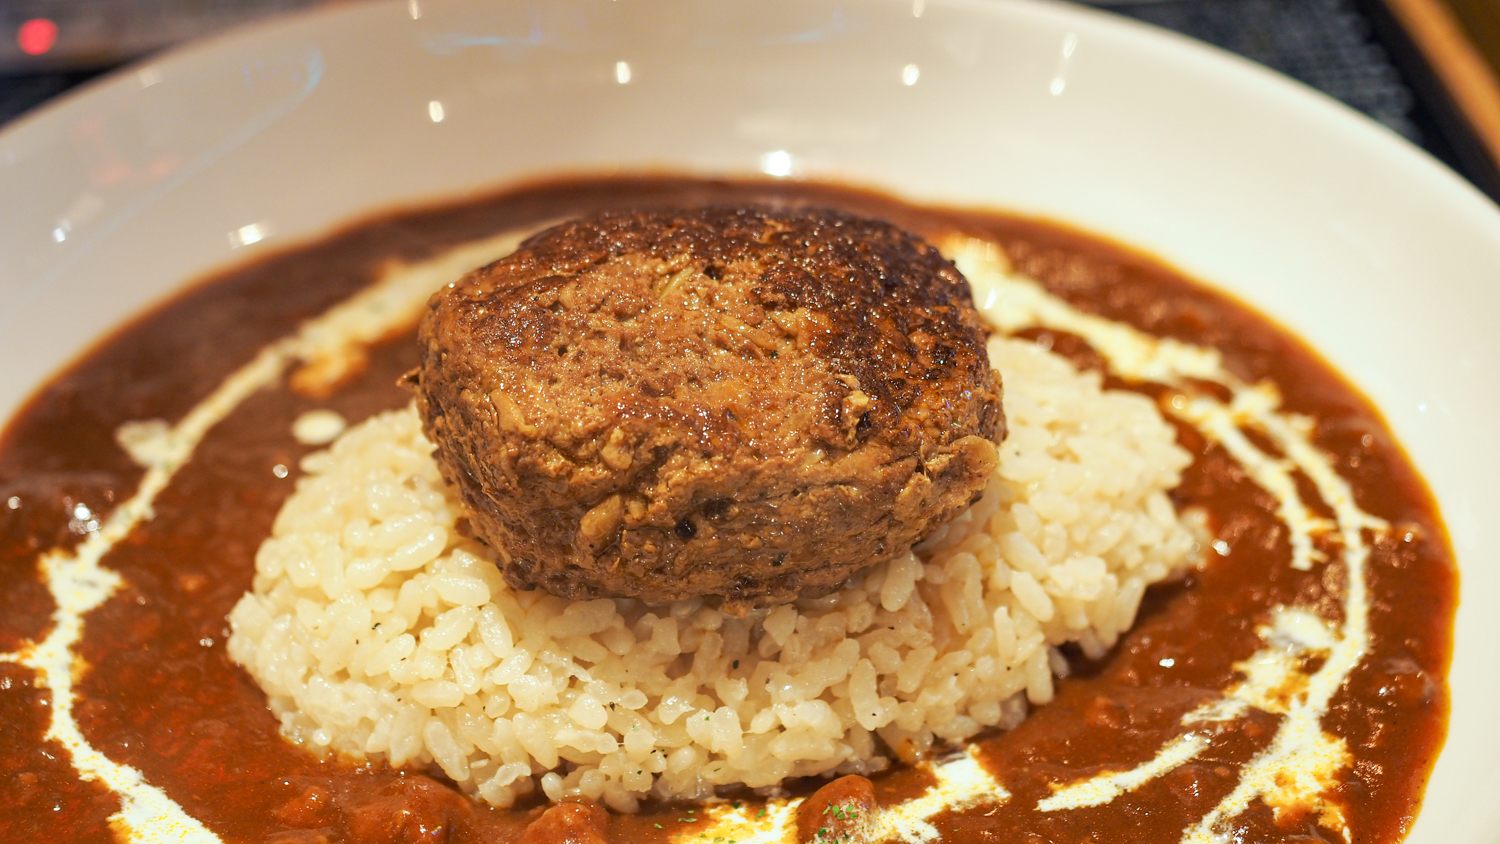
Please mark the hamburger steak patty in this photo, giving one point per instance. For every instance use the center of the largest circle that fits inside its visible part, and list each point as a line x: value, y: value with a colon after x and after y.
x: 739, y: 403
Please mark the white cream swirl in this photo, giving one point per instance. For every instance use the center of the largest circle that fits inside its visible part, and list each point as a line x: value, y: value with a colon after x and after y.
x: 79, y: 582
x: 1298, y: 767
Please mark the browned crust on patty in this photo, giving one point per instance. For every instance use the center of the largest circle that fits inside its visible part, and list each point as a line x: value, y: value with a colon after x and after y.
x: 745, y: 404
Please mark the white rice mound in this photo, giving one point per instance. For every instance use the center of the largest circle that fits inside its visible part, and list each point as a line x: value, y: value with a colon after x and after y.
x: 377, y: 630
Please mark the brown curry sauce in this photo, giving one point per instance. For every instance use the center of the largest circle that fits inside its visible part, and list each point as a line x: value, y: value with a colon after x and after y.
x: 160, y: 693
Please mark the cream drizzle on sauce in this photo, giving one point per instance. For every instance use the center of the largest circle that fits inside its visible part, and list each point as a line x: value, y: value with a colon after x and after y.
x: 958, y: 782
x: 78, y: 581
x: 1271, y: 678
x: 1294, y: 770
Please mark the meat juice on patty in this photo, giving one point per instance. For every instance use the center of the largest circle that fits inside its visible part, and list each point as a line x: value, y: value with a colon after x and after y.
x: 742, y: 403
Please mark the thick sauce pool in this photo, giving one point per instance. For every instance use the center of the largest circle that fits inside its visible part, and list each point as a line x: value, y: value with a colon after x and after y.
x: 157, y: 698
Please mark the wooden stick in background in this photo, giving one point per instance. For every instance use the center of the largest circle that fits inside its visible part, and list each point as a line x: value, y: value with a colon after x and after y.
x: 1463, y: 71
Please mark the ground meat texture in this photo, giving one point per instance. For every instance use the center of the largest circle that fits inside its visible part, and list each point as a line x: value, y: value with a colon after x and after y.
x: 739, y: 403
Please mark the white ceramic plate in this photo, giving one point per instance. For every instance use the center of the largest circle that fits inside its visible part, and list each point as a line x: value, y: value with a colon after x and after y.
x: 113, y: 197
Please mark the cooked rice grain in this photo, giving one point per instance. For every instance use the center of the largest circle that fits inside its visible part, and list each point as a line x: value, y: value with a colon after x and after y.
x: 377, y: 629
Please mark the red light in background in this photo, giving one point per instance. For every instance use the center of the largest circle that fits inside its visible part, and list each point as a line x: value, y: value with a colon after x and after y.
x: 36, y: 36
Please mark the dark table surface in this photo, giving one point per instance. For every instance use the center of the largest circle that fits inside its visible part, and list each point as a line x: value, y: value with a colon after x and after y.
x: 1349, y: 49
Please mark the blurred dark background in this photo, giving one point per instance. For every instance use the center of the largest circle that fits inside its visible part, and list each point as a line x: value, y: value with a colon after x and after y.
x: 1368, y: 53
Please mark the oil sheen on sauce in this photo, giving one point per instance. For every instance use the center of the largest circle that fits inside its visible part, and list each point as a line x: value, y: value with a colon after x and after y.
x: 1293, y: 689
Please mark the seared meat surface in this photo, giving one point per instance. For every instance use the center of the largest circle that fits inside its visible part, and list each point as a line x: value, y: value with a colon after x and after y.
x: 744, y: 404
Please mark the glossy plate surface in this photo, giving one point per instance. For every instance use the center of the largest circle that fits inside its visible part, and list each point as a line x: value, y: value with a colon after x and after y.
x: 1386, y: 262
